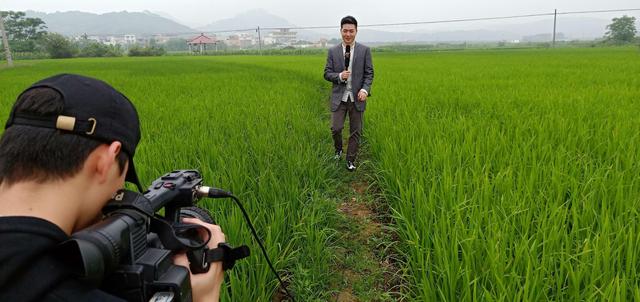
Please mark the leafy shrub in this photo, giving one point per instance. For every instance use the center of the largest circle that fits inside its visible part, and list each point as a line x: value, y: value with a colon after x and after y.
x: 95, y: 49
x: 57, y: 46
x: 151, y: 51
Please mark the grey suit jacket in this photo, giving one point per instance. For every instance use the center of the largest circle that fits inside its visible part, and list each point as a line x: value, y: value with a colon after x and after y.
x: 361, y: 74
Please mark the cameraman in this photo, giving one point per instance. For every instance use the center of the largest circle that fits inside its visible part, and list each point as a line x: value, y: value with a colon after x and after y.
x: 67, y: 148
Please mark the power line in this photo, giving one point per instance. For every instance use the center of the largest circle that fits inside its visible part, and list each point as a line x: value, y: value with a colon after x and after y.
x: 462, y: 20
x: 233, y: 30
x: 398, y: 23
x: 422, y: 22
x: 600, y: 11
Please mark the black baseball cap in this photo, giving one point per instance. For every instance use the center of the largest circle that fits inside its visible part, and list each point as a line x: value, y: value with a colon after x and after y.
x: 92, y: 109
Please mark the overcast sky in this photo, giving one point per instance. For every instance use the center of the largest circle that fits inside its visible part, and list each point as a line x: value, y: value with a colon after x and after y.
x: 324, y: 12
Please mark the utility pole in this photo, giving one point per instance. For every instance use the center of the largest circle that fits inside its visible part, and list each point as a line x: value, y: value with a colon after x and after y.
x: 5, y: 42
x: 555, y: 17
x: 259, y: 40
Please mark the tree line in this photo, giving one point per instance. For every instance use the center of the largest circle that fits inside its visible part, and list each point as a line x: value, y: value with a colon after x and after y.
x: 30, y: 38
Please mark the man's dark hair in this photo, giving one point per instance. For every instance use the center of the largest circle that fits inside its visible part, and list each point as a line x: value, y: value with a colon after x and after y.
x: 348, y: 20
x: 43, y: 154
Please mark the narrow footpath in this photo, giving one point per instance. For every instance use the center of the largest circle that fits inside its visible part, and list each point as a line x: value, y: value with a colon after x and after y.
x: 364, y: 266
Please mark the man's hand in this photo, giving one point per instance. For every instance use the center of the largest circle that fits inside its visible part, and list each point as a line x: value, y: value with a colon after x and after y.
x: 345, y: 75
x: 362, y: 96
x: 205, y: 287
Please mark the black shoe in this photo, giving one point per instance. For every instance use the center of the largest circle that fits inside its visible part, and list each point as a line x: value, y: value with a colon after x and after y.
x: 350, y: 166
x: 338, y: 155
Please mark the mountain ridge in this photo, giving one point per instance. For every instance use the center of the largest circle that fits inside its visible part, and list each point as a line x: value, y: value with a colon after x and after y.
x: 113, y: 23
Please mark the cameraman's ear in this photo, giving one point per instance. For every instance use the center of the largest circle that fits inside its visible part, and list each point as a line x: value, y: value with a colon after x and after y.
x: 115, y: 148
x: 107, y: 160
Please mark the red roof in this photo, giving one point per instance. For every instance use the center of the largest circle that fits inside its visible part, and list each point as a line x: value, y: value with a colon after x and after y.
x: 202, y: 39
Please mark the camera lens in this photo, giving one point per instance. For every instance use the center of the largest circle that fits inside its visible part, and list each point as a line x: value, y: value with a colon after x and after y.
x: 196, y: 212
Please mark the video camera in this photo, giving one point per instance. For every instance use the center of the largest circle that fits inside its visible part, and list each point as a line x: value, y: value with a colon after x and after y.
x: 129, y: 252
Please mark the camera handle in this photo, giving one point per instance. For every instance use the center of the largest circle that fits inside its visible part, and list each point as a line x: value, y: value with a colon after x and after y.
x: 200, y: 259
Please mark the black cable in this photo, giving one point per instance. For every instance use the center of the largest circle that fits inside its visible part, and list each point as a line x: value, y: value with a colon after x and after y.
x: 217, y: 193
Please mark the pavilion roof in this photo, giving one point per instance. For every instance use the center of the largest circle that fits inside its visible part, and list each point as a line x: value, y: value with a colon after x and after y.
x: 202, y: 39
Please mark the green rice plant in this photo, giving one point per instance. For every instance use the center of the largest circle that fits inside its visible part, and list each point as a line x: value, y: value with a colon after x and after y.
x: 513, y: 174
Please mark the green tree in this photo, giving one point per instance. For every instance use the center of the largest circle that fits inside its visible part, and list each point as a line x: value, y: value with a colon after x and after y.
x: 24, y: 33
x: 621, y: 30
x: 176, y: 44
x: 57, y: 46
x: 96, y: 49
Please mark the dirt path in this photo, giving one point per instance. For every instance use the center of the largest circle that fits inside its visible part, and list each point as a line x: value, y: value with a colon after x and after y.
x: 364, y: 267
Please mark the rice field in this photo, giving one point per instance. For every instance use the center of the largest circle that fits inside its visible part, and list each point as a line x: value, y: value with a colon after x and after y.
x: 511, y: 175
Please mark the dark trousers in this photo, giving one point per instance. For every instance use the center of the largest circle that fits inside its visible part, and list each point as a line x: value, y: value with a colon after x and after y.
x: 355, y: 128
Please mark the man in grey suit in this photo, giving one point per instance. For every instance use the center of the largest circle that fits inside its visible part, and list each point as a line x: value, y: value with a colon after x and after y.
x: 350, y: 69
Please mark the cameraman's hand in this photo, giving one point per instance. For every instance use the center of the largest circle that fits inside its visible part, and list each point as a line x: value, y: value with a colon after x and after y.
x: 205, y: 287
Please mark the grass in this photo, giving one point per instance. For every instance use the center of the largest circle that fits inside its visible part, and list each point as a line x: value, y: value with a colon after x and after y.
x: 511, y: 175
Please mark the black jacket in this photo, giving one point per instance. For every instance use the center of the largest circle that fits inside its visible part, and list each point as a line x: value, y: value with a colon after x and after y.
x: 29, y: 269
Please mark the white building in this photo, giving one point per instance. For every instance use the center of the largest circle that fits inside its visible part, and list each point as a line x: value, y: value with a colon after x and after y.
x: 268, y: 40
x: 242, y: 41
x: 284, y: 36
x: 130, y: 39
x: 111, y: 40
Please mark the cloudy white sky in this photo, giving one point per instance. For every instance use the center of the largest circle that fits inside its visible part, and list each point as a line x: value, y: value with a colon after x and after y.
x: 323, y: 12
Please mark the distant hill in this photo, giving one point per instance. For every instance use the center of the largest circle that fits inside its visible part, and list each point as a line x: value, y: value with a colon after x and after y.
x: 249, y: 19
x: 117, y: 23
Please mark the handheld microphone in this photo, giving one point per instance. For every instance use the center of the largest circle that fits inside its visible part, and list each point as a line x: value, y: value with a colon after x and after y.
x: 347, y: 57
